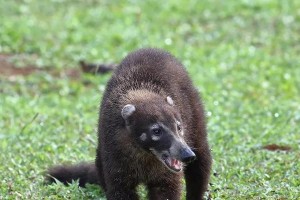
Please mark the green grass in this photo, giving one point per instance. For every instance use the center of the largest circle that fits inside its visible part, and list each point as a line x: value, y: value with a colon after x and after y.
x: 242, y: 55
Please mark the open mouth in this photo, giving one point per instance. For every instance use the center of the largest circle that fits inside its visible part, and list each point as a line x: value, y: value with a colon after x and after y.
x: 172, y: 163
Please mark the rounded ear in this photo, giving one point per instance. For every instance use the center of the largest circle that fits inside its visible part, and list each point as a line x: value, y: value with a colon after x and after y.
x: 127, y: 111
x: 170, y: 101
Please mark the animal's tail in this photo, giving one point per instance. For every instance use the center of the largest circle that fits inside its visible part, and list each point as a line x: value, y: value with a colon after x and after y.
x: 84, y: 172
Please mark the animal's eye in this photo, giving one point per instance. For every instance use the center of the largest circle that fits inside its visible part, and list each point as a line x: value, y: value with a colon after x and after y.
x: 179, y: 126
x: 157, y: 131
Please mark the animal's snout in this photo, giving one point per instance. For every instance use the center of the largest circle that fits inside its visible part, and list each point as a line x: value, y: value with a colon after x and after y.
x: 187, y: 155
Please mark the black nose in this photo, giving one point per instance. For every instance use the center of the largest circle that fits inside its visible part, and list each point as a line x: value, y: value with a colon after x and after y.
x: 187, y: 155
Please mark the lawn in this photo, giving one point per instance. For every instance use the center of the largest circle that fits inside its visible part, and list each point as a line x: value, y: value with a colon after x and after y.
x: 243, y: 56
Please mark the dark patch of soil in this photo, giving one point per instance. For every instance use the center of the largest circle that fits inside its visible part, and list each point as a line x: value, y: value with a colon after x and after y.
x: 275, y: 147
x: 7, y: 68
x: 70, y: 73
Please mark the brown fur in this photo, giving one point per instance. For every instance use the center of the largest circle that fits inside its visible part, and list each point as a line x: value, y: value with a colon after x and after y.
x: 145, y: 78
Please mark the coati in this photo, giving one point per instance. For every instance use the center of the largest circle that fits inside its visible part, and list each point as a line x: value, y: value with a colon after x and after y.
x: 151, y: 131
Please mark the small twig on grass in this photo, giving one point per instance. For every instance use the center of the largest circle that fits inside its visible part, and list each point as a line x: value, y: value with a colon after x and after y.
x: 93, y: 68
x: 27, y: 124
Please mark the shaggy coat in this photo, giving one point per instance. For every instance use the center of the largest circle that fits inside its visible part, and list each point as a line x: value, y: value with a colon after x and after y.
x: 151, y: 131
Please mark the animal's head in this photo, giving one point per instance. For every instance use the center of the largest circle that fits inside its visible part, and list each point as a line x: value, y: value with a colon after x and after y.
x: 157, y: 127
